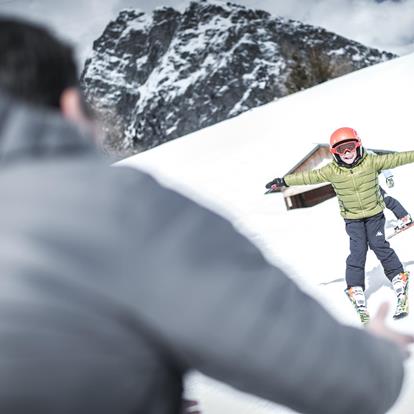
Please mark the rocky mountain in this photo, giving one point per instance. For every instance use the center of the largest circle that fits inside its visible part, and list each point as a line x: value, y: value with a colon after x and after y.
x: 155, y: 77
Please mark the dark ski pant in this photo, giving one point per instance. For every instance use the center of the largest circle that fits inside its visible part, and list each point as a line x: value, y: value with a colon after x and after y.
x: 364, y: 233
x: 394, y: 205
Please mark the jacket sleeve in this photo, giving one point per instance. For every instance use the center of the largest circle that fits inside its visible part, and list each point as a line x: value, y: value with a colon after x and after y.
x: 228, y: 313
x: 308, y: 177
x: 387, y: 161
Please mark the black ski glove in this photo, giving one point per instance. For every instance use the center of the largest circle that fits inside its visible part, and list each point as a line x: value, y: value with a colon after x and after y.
x: 276, y: 183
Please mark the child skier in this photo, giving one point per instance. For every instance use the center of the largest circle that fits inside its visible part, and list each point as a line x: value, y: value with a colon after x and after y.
x: 354, y: 176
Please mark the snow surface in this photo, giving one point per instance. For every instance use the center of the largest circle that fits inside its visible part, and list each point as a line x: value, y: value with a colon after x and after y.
x: 226, y: 166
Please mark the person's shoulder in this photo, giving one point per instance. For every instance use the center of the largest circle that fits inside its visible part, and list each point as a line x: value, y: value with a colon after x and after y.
x: 128, y: 180
x: 330, y: 166
x: 136, y: 186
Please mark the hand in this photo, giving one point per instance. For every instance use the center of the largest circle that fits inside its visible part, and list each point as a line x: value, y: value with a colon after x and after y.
x: 377, y: 327
x: 190, y: 407
x: 389, y: 181
x: 276, y: 183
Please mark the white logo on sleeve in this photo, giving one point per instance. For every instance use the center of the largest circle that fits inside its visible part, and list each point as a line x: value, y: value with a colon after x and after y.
x: 379, y: 234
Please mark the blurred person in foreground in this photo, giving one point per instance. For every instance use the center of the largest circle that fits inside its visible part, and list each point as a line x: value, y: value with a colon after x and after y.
x: 113, y: 287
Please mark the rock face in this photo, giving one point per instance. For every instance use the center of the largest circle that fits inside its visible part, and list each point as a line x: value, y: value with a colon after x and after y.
x: 155, y: 77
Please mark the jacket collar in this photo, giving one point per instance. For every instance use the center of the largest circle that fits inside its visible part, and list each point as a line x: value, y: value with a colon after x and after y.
x: 28, y: 132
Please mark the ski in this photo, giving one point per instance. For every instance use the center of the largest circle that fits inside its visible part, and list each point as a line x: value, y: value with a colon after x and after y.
x: 400, y: 231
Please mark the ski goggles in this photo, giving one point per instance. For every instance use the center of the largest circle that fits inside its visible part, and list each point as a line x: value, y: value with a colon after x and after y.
x: 345, y: 147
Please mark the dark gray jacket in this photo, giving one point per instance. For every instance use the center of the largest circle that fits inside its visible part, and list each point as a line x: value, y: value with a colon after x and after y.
x: 112, y: 287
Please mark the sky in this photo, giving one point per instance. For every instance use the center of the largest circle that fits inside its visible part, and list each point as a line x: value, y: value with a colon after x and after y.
x: 226, y: 166
x: 387, y: 25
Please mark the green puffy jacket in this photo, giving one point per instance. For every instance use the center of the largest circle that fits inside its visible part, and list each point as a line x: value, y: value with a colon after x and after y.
x: 357, y: 188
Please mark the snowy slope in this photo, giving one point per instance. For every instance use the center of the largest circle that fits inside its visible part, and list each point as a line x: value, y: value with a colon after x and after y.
x: 226, y: 166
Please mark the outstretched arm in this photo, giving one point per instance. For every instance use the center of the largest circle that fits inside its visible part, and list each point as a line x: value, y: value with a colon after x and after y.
x: 320, y: 175
x: 303, y: 178
x: 387, y: 161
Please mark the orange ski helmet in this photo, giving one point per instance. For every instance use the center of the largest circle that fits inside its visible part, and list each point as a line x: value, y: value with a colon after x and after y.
x: 345, y: 139
x: 341, y: 135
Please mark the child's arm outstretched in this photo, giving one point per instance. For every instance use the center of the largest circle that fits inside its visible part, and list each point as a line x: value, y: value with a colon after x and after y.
x: 387, y: 161
x: 320, y: 175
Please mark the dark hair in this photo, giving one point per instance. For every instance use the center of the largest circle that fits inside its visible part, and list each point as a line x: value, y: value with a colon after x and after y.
x: 34, y: 65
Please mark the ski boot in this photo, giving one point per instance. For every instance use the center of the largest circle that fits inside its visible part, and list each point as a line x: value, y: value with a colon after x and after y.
x: 400, y: 285
x: 357, y: 297
x: 403, y: 222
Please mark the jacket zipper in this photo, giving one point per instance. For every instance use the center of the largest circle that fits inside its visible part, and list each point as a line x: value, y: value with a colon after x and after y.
x: 357, y: 193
